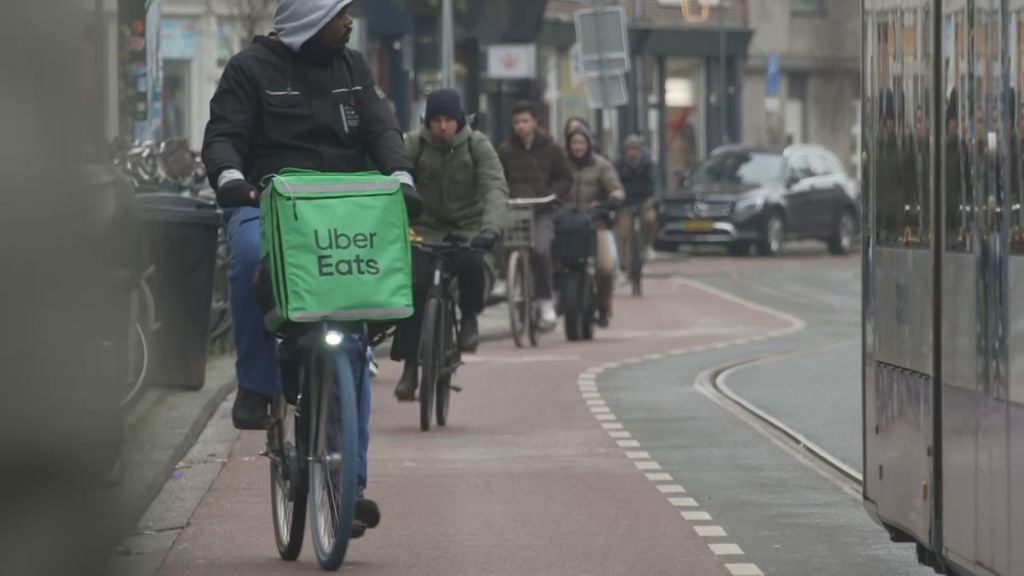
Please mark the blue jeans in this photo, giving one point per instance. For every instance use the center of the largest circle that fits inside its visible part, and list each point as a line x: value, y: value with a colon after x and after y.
x: 256, y: 362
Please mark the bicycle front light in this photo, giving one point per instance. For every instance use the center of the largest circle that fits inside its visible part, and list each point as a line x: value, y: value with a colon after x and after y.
x: 333, y: 338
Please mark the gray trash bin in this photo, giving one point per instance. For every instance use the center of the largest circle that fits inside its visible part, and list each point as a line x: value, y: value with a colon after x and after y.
x: 180, y: 233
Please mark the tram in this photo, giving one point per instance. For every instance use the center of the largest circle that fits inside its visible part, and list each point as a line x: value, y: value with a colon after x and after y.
x: 943, y: 313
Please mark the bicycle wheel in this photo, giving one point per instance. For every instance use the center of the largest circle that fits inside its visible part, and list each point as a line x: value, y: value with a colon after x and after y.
x: 140, y: 320
x: 431, y: 355
x: 572, y: 305
x: 518, y: 299
x: 288, y: 489
x: 529, y: 311
x: 636, y: 260
x: 588, y: 307
x: 333, y: 468
x: 448, y: 366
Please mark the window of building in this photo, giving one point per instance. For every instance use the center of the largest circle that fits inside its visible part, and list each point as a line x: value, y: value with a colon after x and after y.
x: 808, y: 7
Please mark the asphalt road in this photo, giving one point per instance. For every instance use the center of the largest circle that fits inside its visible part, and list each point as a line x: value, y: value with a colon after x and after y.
x: 612, y: 457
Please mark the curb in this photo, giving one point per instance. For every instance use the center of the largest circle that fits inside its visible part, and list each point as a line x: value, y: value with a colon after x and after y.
x: 160, y: 431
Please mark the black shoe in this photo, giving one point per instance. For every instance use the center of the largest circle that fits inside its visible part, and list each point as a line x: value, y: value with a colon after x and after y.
x: 469, y: 336
x: 602, y: 319
x: 366, y: 515
x: 407, y: 384
x: 251, y: 411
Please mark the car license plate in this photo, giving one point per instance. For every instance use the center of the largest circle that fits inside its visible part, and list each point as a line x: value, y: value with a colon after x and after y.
x: 698, y: 225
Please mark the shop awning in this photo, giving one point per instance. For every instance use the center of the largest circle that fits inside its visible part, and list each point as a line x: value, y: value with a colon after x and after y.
x: 686, y: 42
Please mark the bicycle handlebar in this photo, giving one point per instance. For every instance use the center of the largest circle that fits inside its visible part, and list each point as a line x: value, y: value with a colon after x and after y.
x: 444, y: 246
x: 550, y: 199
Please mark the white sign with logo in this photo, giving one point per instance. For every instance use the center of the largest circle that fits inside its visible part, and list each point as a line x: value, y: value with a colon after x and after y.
x: 512, y: 61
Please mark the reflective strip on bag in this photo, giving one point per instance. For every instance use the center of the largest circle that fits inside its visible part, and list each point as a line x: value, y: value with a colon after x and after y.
x: 352, y: 315
x: 385, y: 185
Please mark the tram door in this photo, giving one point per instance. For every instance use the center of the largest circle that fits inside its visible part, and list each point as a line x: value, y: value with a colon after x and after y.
x: 899, y: 265
x: 977, y: 175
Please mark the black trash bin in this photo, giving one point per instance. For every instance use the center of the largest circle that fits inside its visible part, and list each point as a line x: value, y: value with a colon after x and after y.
x: 181, y: 240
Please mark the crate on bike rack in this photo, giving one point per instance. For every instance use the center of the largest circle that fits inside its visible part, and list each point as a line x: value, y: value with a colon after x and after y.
x: 519, y: 227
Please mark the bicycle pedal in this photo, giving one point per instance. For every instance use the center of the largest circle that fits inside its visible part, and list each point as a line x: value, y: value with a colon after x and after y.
x: 456, y: 388
x: 265, y: 453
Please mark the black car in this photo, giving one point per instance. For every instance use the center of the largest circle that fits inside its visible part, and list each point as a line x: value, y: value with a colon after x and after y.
x: 743, y: 196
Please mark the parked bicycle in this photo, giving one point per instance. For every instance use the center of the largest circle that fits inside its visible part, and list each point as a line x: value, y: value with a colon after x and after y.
x: 439, y: 353
x: 523, y: 314
x: 313, y: 439
x: 142, y: 324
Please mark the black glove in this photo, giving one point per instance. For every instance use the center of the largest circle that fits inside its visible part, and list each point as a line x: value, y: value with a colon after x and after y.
x: 484, y: 241
x: 413, y: 203
x: 236, y: 193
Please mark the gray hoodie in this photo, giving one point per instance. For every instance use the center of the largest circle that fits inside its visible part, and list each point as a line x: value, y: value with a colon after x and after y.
x: 296, y: 21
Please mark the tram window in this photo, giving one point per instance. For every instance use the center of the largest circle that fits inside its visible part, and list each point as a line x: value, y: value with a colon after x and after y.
x: 893, y: 179
x: 956, y: 177
x: 1016, y: 183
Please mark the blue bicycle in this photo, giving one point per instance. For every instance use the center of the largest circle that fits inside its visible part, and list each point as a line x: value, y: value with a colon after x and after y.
x: 313, y: 440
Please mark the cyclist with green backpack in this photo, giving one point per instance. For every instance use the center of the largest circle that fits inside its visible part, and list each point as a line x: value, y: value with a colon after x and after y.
x: 464, y: 193
x: 294, y: 99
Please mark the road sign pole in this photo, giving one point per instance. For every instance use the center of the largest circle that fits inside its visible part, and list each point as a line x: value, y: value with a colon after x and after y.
x: 599, y: 128
x: 722, y: 84
x: 447, y: 45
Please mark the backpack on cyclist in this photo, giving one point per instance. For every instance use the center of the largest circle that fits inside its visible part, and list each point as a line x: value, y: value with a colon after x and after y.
x: 334, y: 247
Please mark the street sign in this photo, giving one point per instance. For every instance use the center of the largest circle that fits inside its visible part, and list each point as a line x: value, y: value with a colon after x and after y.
x: 772, y: 72
x: 512, y: 61
x: 607, y: 91
x: 604, y: 44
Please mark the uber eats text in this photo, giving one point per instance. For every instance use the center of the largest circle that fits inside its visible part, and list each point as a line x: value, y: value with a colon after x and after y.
x: 338, y: 253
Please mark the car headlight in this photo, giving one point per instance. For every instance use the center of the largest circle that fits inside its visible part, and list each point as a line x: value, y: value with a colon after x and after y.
x: 748, y: 207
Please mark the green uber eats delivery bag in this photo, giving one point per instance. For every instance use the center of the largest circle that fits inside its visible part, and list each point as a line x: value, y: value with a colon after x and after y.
x: 334, y: 247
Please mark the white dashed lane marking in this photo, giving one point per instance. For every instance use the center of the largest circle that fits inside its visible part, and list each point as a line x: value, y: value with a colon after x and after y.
x: 695, y: 516
x: 682, y: 502
x: 744, y: 570
x: 648, y: 465
x: 671, y: 489
x: 587, y: 382
x: 726, y: 549
x: 710, y: 531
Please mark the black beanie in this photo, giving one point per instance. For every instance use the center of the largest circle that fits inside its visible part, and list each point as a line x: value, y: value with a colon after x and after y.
x: 445, y: 102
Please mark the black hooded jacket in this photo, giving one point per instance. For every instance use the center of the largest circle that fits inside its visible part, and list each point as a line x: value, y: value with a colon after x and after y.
x: 276, y: 109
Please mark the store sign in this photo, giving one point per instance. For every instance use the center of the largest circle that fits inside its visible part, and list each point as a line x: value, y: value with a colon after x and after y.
x: 512, y: 61
x: 177, y: 39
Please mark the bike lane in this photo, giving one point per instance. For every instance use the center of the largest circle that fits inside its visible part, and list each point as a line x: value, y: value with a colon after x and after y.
x: 531, y: 477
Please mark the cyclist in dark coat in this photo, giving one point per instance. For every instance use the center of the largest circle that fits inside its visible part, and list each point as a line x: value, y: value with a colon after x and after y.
x: 297, y: 98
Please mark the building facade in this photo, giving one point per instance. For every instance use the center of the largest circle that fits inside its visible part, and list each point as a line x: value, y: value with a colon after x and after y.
x: 677, y: 100
x: 812, y: 47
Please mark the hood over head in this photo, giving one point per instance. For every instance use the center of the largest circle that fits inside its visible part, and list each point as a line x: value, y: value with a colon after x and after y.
x: 296, y: 21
